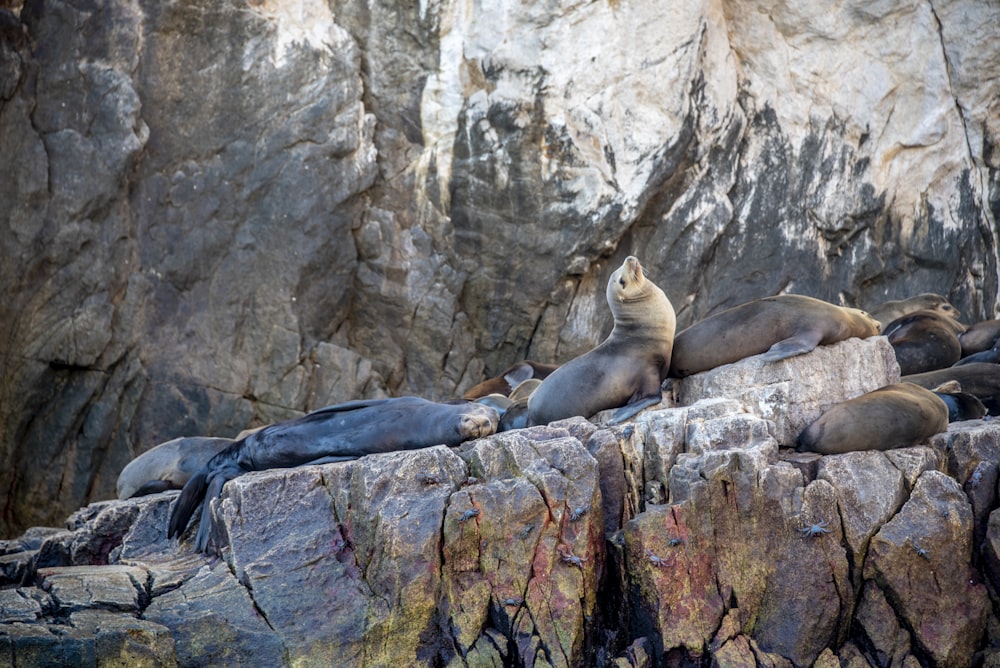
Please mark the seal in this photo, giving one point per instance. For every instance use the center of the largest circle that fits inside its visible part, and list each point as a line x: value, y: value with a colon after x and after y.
x: 991, y: 356
x: 335, y: 433
x: 888, y: 311
x: 924, y: 341
x: 894, y: 416
x: 961, y: 405
x: 981, y: 380
x: 626, y: 370
x: 979, y: 337
x: 513, y: 376
x: 776, y: 327
x: 168, y: 465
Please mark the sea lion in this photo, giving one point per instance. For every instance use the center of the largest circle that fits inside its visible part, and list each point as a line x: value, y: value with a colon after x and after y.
x: 980, y: 380
x: 991, y: 356
x: 979, y: 337
x: 626, y: 370
x: 168, y: 465
x: 335, y: 433
x: 888, y: 311
x: 924, y: 341
x: 894, y: 416
x: 781, y: 326
x: 524, y: 390
x: 961, y: 405
x: 513, y: 376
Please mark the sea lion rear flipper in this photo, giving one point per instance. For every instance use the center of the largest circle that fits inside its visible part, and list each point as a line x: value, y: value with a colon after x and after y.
x: 215, y: 483
x: 630, y: 409
x: 191, y: 495
x: 796, y: 345
x: 152, y: 487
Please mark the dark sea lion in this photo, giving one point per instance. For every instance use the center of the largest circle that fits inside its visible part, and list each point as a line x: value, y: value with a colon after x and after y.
x: 777, y: 327
x: 626, y: 370
x: 168, y: 465
x: 513, y: 376
x: 961, y: 405
x: 979, y: 337
x: 924, y: 341
x: 888, y: 311
x: 335, y: 433
x: 991, y: 356
x: 894, y: 416
x: 980, y: 380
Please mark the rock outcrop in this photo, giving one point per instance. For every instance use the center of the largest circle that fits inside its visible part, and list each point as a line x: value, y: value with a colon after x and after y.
x: 218, y: 214
x: 690, y: 534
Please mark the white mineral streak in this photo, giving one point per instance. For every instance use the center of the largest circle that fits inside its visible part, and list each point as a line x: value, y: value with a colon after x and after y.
x: 299, y: 23
x: 614, y: 79
x: 877, y: 67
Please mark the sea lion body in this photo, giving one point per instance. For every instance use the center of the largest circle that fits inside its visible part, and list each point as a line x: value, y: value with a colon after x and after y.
x: 168, y: 465
x: 924, y: 341
x: 513, y: 376
x: 894, y: 416
x: 979, y: 337
x: 981, y: 380
x: 626, y: 370
x: 335, y: 433
x: 777, y: 327
x: 888, y: 311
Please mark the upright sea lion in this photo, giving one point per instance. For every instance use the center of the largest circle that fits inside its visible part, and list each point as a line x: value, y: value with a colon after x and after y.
x: 168, y: 465
x: 626, y: 369
x: 779, y: 327
x: 981, y: 336
x: 894, y: 416
x: 981, y: 380
x: 334, y: 433
x: 924, y: 341
x: 513, y: 376
x: 888, y: 311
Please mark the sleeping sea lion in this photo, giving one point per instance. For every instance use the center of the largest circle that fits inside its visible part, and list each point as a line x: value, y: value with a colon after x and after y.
x: 335, y: 433
x: 168, y: 465
x: 979, y: 337
x: 991, y: 356
x: 981, y: 380
x: 626, y: 369
x: 894, y: 416
x: 779, y: 327
x: 513, y: 376
x: 924, y: 341
x: 961, y: 405
x: 888, y: 311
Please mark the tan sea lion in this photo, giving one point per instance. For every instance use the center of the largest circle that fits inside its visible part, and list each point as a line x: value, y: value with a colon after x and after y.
x: 981, y: 380
x: 777, y: 327
x: 888, y: 311
x: 924, y: 341
x: 513, y: 376
x: 979, y: 337
x: 335, y: 433
x: 168, y: 465
x: 626, y: 370
x: 894, y: 416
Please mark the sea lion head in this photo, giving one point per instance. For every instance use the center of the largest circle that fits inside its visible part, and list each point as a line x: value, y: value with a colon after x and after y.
x: 627, y: 283
x: 637, y: 302
x: 863, y: 324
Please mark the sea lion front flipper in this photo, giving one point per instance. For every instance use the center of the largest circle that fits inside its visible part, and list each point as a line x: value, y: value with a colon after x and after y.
x: 630, y: 409
x: 804, y: 342
x: 332, y: 459
x: 152, y: 487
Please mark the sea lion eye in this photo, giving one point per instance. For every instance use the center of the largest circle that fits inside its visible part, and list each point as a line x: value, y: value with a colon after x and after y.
x: 621, y: 282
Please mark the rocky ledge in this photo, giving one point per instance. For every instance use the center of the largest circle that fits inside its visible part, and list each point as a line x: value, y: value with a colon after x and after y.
x: 694, y: 534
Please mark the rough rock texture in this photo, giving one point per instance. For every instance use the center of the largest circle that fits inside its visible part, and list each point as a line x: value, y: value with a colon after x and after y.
x: 218, y: 214
x: 687, y: 537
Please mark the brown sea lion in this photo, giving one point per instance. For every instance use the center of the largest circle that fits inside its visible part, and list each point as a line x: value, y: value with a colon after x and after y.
x: 168, y: 465
x: 777, y: 327
x: 888, y: 311
x: 335, y: 433
x: 626, y: 369
x: 981, y: 380
x: 924, y: 341
x: 979, y: 337
x: 513, y: 376
x: 894, y: 416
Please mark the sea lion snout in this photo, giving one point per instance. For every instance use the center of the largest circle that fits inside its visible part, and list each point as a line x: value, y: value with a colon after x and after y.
x: 480, y: 421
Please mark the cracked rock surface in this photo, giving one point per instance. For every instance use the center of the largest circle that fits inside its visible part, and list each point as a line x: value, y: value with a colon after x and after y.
x: 692, y: 534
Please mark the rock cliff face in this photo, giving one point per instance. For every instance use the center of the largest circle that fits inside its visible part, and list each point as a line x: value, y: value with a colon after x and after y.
x: 219, y: 214
x: 691, y: 535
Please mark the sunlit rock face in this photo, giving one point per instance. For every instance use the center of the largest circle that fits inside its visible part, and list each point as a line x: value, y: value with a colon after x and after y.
x: 223, y: 214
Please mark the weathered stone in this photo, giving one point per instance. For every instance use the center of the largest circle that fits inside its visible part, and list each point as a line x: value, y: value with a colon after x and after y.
x: 877, y: 619
x: 22, y: 605
x: 126, y: 641
x: 111, y: 587
x: 927, y: 547
x: 787, y: 393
